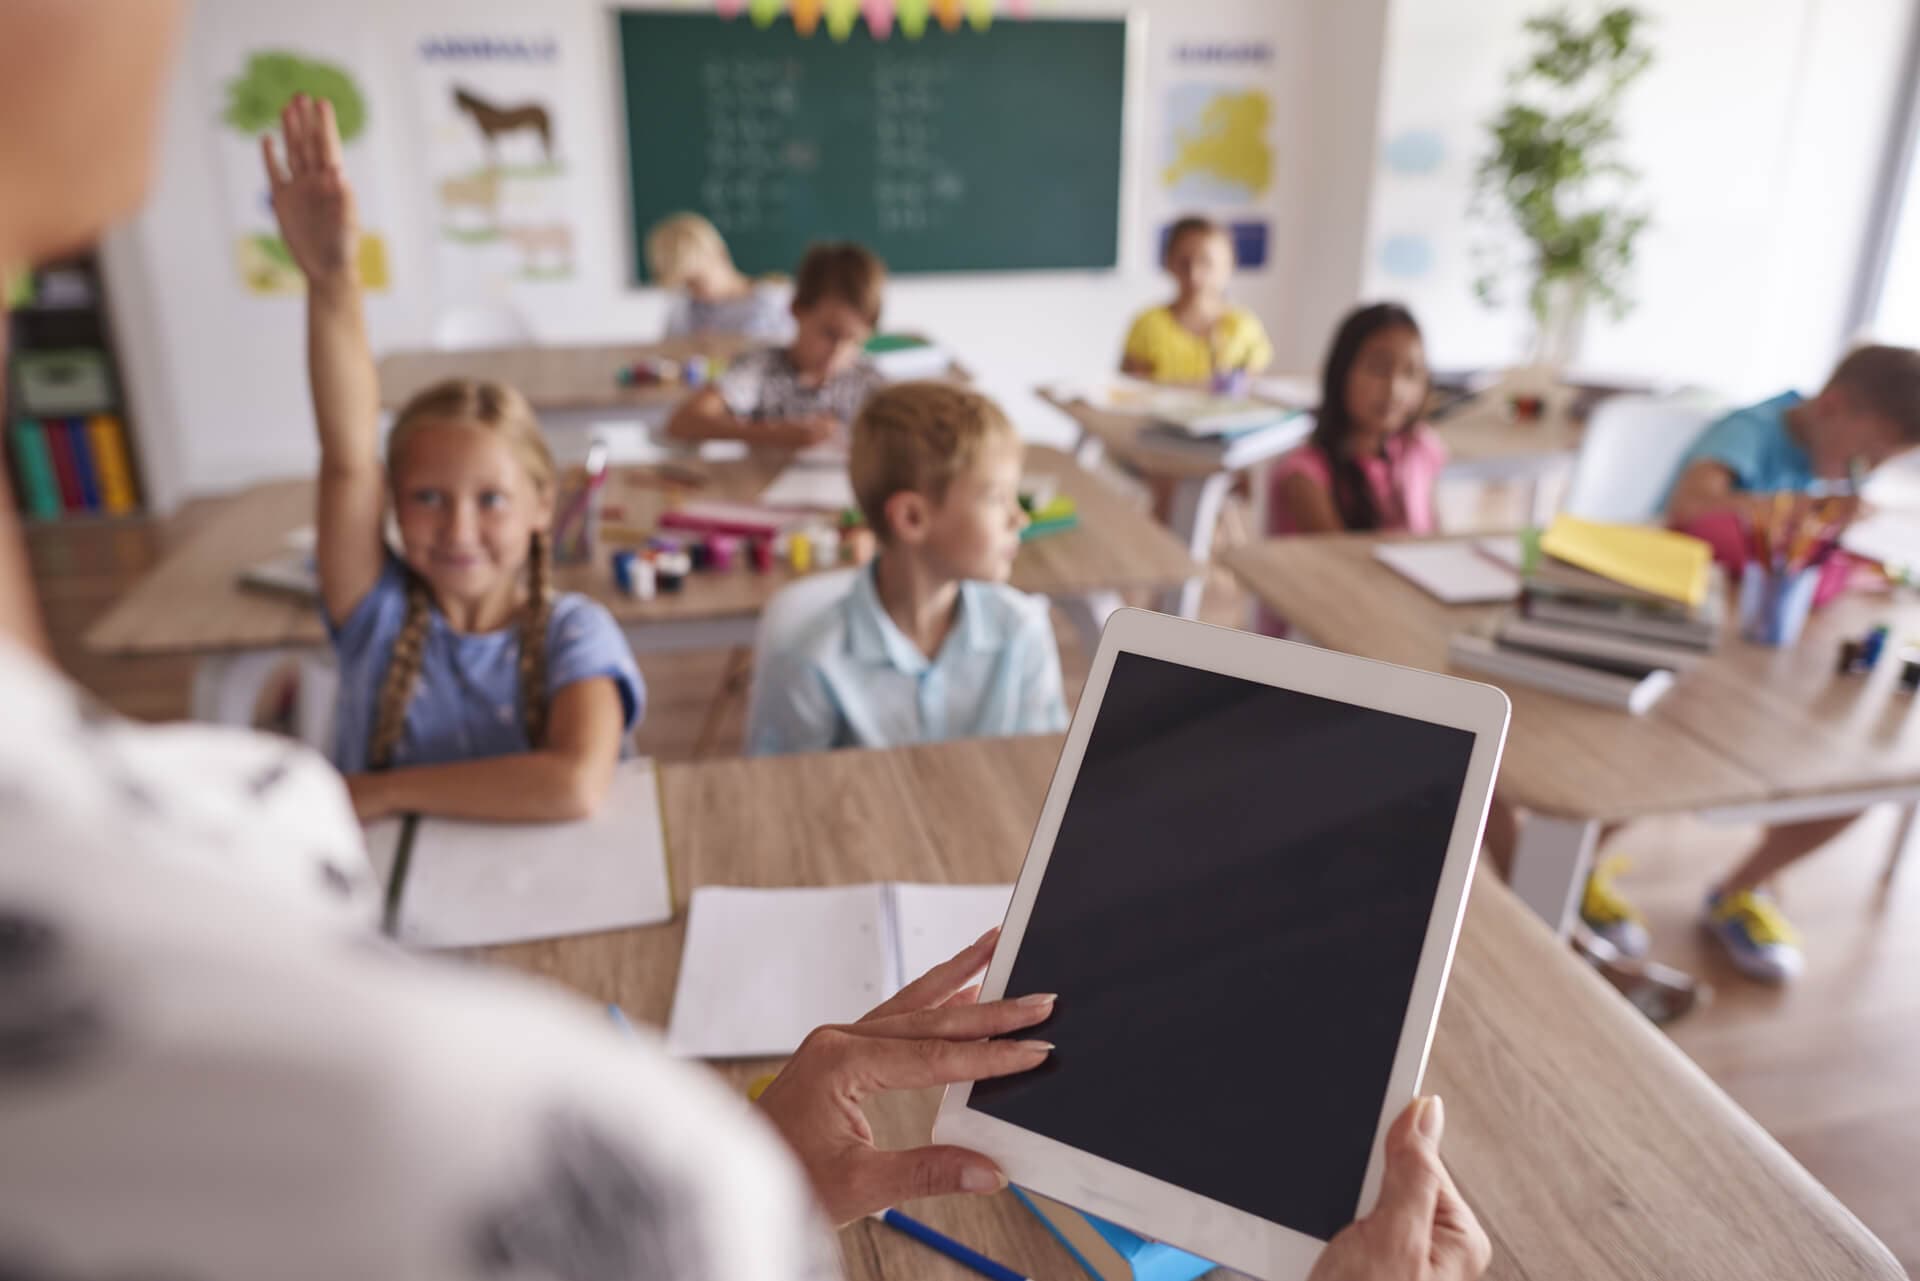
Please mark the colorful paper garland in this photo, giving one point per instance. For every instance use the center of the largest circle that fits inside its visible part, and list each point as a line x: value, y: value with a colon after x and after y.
x: 839, y: 16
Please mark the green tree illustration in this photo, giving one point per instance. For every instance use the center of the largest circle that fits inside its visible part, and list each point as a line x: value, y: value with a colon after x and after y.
x: 272, y: 77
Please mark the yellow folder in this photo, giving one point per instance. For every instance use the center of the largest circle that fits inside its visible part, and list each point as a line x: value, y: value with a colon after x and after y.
x: 1659, y: 561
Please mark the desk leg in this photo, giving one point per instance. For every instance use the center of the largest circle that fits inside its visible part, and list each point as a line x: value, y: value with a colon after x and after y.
x: 1902, y: 837
x: 1196, y: 512
x: 1550, y: 866
x: 1088, y: 614
x: 226, y: 687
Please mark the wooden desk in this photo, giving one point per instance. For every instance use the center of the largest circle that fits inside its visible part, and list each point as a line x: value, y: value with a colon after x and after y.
x: 1199, y: 487
x: 192, y: 603
x: 1483, y: 443
x: 1751, y: 735
x: 1589, y: 1146
x: 568, y: 385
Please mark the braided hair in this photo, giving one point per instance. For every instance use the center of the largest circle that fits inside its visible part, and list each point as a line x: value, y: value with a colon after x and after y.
x: 1333, y: 424
x: 498, y: 408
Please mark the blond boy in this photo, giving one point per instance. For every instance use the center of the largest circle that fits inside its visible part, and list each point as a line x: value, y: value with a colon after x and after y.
x: 931, y: 643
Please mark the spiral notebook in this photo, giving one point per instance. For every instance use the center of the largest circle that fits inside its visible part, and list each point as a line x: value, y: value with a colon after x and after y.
x: 763, y: 967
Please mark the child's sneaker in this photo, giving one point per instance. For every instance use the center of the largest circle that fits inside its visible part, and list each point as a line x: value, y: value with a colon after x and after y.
x: 1609, y: 915
x: 1757, y: 937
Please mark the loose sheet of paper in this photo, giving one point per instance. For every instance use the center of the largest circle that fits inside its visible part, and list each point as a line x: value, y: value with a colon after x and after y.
x: 475, y: 884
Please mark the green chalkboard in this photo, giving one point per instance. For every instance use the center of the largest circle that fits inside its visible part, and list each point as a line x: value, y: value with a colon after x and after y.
x: 957, y: 151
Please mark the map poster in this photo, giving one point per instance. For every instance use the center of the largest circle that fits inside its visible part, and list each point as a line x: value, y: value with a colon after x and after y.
x: 1216, y: 155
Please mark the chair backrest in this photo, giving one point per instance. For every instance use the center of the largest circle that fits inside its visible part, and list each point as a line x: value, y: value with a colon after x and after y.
x: 476, y: 328
x: 790, y: 612
x: 1630, y: 454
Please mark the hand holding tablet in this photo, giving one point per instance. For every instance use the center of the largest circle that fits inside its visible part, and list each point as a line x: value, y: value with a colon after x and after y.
x: 1245, y: 886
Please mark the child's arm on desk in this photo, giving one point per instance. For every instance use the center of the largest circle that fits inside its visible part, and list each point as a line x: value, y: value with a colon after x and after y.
x: 314, y: 204
x: 566, y: 778
x: 1707, y: 487
x: 705, y: 416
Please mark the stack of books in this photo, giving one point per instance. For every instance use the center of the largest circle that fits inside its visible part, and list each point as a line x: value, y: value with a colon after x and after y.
x: 1608, y: 614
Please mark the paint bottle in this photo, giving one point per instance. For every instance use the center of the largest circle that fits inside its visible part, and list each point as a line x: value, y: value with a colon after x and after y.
x: 800, y: 551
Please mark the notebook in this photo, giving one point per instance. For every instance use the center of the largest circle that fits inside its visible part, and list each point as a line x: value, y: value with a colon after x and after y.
x: 454, y: 884
x: 1471, y: 652
x: 1656, y: 561
x: 763, y: 967
x: 1455, y: 573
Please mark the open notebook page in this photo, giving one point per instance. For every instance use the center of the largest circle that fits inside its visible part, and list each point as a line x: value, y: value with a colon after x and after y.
x: 762, y: 968
x: 475, y: 884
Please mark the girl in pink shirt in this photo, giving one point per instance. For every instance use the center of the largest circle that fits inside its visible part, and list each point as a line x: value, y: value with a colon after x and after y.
x: 1371, y: 463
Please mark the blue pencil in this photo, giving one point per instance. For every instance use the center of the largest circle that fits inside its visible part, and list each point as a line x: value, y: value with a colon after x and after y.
x: 947, y: 1245
x: 619, y: 1017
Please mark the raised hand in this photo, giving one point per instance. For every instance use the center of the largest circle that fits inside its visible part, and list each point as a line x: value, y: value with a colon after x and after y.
x: 311, y: 195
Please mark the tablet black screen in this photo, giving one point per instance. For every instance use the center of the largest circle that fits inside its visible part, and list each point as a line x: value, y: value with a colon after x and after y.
x: 1232, y: 917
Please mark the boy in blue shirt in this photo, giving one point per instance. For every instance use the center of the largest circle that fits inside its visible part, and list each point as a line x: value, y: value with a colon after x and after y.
x: 1868, y: 412
x: 931, y: 643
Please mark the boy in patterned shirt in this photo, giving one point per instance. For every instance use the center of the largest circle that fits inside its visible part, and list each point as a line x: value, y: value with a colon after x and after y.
x: 807, y: 392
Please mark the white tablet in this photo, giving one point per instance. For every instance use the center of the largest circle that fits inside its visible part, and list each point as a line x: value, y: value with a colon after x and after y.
x: 1245, y: 885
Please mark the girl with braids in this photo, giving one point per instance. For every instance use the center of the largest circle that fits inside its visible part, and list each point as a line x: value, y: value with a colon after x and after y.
x: 1371, y: 463
x: 467, y: 687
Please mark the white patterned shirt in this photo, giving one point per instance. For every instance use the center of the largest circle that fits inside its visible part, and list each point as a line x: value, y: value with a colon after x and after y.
x: 213, y: 1069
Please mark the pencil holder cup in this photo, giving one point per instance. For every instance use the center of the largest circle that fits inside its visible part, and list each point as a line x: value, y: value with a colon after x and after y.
x: 1774, y: 607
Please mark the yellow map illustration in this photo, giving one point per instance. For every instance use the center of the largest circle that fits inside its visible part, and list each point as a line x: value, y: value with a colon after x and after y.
x: 1229, y: 144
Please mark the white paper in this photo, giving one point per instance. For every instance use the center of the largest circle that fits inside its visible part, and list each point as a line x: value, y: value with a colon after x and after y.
x: 811, y: 487
x: 476, y: 884
x: 1506, y: 550
x: 1890, y: 537
x: 1453, y: 572
x: 933, y: 923
x: 763, y: 967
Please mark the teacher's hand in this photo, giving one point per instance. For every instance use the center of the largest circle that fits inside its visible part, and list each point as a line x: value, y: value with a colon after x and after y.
x: 933, y: 1032
x: 1422, y: 1229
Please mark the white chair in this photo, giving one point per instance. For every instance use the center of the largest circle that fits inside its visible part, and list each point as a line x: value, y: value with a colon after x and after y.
x: 789, y: 613
x: 1629, y: 455
x: 476, y: 328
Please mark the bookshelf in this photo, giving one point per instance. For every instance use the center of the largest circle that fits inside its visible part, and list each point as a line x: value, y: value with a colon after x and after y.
x: 69, y: 445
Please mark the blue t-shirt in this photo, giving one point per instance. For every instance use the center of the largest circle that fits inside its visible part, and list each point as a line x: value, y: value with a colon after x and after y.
x: 466, y: 704
x: 1755, y: 445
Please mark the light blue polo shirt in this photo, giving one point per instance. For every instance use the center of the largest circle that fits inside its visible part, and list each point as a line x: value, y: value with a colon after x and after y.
x: 853, y: 679
x: 1756, y: 446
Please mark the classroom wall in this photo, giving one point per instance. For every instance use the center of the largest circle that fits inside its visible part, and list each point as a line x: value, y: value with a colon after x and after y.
x: 1760, y: 132
x: 216, y: 375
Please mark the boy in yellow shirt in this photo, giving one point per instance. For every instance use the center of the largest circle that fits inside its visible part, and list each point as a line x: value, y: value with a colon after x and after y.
x: 1199, y: 336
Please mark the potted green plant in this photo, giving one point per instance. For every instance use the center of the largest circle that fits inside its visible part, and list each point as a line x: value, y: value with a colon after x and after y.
x: 1554, y: 189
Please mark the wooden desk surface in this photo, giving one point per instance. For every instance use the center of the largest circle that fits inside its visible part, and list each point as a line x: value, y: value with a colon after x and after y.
x: 1587, y: 1143
x: 565, y: 377
x: 1749, y: 725
x: 1483, y: 431
x: 1480, y: 431
x: 193, y: 603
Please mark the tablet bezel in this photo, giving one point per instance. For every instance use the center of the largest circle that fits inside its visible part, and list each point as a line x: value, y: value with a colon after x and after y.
x: 1150, y: 1206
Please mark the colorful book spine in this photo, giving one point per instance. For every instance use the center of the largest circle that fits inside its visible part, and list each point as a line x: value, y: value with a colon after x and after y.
x: 84, y: 471
x: 60, y: 447
x: 113, y: 464
x: 39, y: 483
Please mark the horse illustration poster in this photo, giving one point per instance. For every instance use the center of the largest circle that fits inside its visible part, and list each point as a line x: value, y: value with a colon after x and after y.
x: 496, y: 158
x: 254, y: 79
